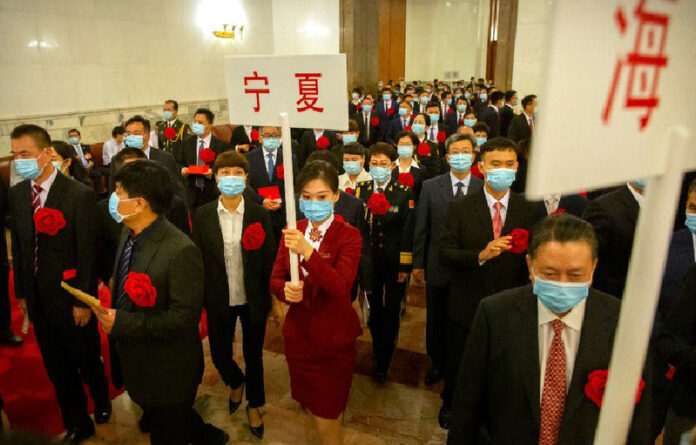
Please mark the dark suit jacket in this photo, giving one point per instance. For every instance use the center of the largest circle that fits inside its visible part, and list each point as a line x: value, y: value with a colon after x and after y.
x: 680, y: 259
x: 498, y: 385
x: 160, y: 348
x: 189, y: 150
x: 573, y: 205
x: 73, y: 248
x: 353, y: 109
x: 419, y: 174
x: 309, y: 144
x: 258, y: 178
x: 492, y: 118
x: 431, y: 214
x: 480, y: 108
x: 365, y: 139
x: 519, y: 128
x: 166, y: 160
x: 394, y: 128
x: 613, y: 217
x: 239, y: 137
x: 506, y: 115
x: 452, y: 120
x: 4, y: 218
x: 467, y: 231
x: 257, y: 264
x: 385, y: 116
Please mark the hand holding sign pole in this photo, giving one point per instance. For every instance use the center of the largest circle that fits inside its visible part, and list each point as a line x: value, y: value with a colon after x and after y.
x: 289, y: 191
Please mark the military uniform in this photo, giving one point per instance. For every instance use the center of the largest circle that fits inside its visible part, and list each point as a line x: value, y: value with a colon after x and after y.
x: 173, y: 145
x: 391, y: 241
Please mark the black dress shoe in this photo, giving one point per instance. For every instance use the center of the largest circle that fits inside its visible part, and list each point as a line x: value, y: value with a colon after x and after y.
x: 235, y: 405
x: 78, y: 435
x: 381, y: 377
x: 433, y: 376
x: 11, y: 340
x: 257, y: 431
x: 102, y: 413
x: 444, y: 418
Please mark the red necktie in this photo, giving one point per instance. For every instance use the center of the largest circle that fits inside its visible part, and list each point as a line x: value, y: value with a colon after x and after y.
x: 461, y: 120
x: 497, y: 220
x: 36, y: 205
x: 554, y: 393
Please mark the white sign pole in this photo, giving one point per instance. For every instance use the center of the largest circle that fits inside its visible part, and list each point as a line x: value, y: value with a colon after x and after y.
x: 289, y: 190
x: 640, y: 297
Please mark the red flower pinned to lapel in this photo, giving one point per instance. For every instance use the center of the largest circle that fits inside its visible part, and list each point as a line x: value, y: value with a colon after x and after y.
x: 406, y: 179
x: 323, y: 142
x: 378, y: 204
x: 408, y: 128
x: 441, y: 136
x: 374, y: 121
x: 520, y: 240
x: 280, y: 172
x: 358, y: 107
x: 48, y: 221
x: 450, y: 110
x: 424, y: 149
x: 597, y: 383
x: 475, y: 171
x: 390, y: 111
x: 207, y: 155
x: 559, y: 212
x: 350, y: 191
x: 139, y: 288
x: 670, y: 372
x: 253, y: 236
x: 254, y: 135
x: 583, y: 194
x: 169, y: 133
x: 338, y: 217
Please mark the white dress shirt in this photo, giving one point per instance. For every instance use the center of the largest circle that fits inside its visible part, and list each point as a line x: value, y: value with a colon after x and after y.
x: 551, y: 202
x: 247, y: 130
x: 274, y: 155
x: 111, y: 148
x: 384, y: 186
x: 413, y: 164
x: 570, y: 335
x: 466, y: 181
x: 45, y: 186
x: 636, y: 195
x: 231, y: 224
x: 79, y: 152
x: 206, y: 141
x: 344, y: 181
x: 491, y: 204
x: 315, y: 244
x: 318, y: 134
x: 154, y: 141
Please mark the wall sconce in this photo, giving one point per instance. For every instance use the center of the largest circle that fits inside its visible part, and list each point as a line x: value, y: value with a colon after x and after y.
x: 225, y: 34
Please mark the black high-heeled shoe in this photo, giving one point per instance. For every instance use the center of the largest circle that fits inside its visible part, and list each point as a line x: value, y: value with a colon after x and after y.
x: 257, y: 431
x: 235, y: 405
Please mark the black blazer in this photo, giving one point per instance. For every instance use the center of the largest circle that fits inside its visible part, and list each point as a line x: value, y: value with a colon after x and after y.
x: 498, y: 385
x: 467, y: 231
x: 492, y: 118
x: 74, y: 247
x: 257, y: 264
x: 394, y: 128
x: 479, y: 108
x: 431, y: 214
x: 258, y: 178
x: 573, y: 205
x: 385, y: 116
x: 419, y: 174
x: 519, y: 128
x: 613, y: 217
x: 239, y: 137
x: 189, y: 156
x: 309, y: 144
x: 367, y: 140
x: 4, y: 219
x: 160, y: 349
x: 353, y: 109
x: 506, y: 115
x: 680, y: 259
x: 452, y: 120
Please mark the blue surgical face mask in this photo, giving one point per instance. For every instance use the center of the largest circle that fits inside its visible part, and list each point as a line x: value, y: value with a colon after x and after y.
x: 134, y: 141
x: 113, y: 208
x: 27, y: 168
x: 386, y: 96
x: 418, y: 128
x: 367, y: 108
x: 460, y: 162
x: 639, y: 183
x: 467, y: 95
x: 434, y: 118
x: 197, y: 128
x: 352, y: 167
x: 405, y: 151
x: 57, y: 165
x: 461, y: 108
x: 484, y: 97
x: 316, y: 211
x: 350, y: 138
x: 271, y: 144
x: 560, y: 297
x: 691, y: 222
x: 73, y: 140
x: 480, y: 141
x: 501, y: 178
x: 380, y: 174
x: 457, y: 96
x: 470, y: 123
x: 167, y: 115
x: 355, y: 96
x: 231, y: 185
x: 448, y: 102
x: 424, y: 100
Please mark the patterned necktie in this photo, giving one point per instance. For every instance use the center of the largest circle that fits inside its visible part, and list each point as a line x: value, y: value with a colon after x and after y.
x: 271, y: 166
x: 460, y: 190
x: 554, y: 393
x: 497, y: 220
x: 432, y: 133
x: 199, y: 179
x: 123, y: 269
x: 367, y: 127
x: 80, y: 153
x: 36, y: 205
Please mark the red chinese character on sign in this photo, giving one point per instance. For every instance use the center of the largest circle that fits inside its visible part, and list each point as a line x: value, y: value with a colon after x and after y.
x: 309, y: 90
x: 256, y: 91
x: 644, y: 62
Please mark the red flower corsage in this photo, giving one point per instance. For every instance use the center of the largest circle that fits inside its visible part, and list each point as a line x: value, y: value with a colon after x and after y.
x: 475, y: 171
x: 559, y: 212
x: 254, y: 135
x: 169, y: 133
x: 139, y: 288
x: 597, y: 383
x: 323, y: 142
x: 390, y: 111
x: 423, y: 149
x: 520, y: 240
x: 253, y: 236
x: 441, y: 136
x: 670, y: 372
x: 406, y: 179
x: 207, y: 155
x: 378, y: 204
x: 48, y: 220
x: 280, y: 172
x: 374, y: 121
x: 350, y: 191
x: 408, y: 128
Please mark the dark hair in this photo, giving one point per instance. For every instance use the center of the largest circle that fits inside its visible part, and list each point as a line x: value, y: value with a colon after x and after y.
x: 318, y: 170
x: 138, y: 118
x: 407, y: 103
x: 562, y: 229
x: 353, y: 125
x: 386, y: 88
x: 75, y: 130
x: 528, y: 100
x: 523, y: 148
x: 458, y: 137
x: 125, y: 154
x: 76, y: 169
x: 406, y: 133
x: 39, y: 134
x: 148, y: 180
x: 425, y: 115
x: 230, y: 159
x: 324, y: 155
x: 482, y: 126
x: 509, y: 94
x: 354, y: 149
x: 207, y: 113
x: 692, y: 187
x: 498, y: 144
x: 174, y: 103
x: 462, y: 98
x: 118, y: 129
x: 496, y: 96
x: 432, y: 104
x: 382, y: 148
x: 468, y: 112
x: 357, y: 90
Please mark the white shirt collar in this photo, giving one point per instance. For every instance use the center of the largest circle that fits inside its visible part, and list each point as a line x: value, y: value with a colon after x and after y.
x: 494, y: 107
x: 322, y: 228
x: 456, y: 180
x: 639, y: 198
x: 147, y: 152
x: 572, y: 319
x: 528, y: 116
x: 318, y: 134
x: 557, y: 196
x: 386, y: 184
x: 46, y: 185
x: 172, y: 122
x: 267, y: 152
x: 491, y: 200
x: 239, y: 210
x: 509, y: 106
x: 206, y: 140
x: 344, y: 179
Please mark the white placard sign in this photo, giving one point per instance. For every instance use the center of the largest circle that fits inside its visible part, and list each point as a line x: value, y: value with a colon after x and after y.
x: 311, y: 89
x: 619, y: 75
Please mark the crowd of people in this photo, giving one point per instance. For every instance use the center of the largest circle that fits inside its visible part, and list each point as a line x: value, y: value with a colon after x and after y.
x: 425, y: 185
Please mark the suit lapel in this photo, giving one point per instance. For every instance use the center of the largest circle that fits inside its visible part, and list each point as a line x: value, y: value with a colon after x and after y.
x: 514, y: 213
x: 484, y: 215
x: 55, y: 192
x: 527, y: 349
x: 446, y: 188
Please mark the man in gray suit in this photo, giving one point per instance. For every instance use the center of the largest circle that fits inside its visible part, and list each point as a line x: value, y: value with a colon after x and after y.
x: 431, y: 215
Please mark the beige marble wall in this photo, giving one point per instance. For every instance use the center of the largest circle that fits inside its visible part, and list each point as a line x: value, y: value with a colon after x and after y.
x: 533, y: 26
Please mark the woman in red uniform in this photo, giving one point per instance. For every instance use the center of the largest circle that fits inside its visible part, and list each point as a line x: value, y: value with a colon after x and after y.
x: 321, y: 325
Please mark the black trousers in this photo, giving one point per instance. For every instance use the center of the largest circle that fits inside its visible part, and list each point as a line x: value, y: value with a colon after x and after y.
x: 221, y: 329
x: 456, y: 340
x: 385, y: 316
x: 5, y: 310
x: 436, y: 323
x: 175, y: 424
x: 72, y: 355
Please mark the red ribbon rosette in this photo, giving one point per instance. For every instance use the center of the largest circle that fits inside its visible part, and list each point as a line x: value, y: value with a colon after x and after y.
x: 520, y: 240
x: 559, y: 212
x: 475, y: 171
x: 254, y: 135
x: 670, y: 372
x: 358, y: 107
x: 423, y: 149
x: 338, y: 217
x: 378, y: 204
x: 169, y: 133
x: 350, y: 191
x: 441, y: 136
x: 597, y: 383
x: 253, y: 236
x: 280, y: 172
x: 450, y: 110
x: 139, y: 288
x: 406, y: 179
x: 48, y: 221
x: 374, y: 121
x: 323, y: 142
x: 408, y: 128
x: 207, y: 155
x: 390, y: 111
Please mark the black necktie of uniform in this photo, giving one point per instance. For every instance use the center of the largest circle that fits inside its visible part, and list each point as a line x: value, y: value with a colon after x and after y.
x: 460, y: 190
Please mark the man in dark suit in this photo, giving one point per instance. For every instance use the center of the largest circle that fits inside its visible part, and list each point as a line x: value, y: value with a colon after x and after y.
x: 399, y: 123
x: 200, y: 188
x: 481, y: 104
x: 431, y: 215
x: 613, y: 217
x: 310, y: 143
x: 456, y: 119
x: 157, y: 301
x: 492, y: 114
x: 44, y: 254
x: 522, y: 125
x: 507, y: 112
x: 526, y: 365
x: 386, y: 110
x: 368, y: 132
x: 571, y: 204
x: 7, y: 337
x: 83, y: 153
x: 242, y: 138
x: 475, y: 246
